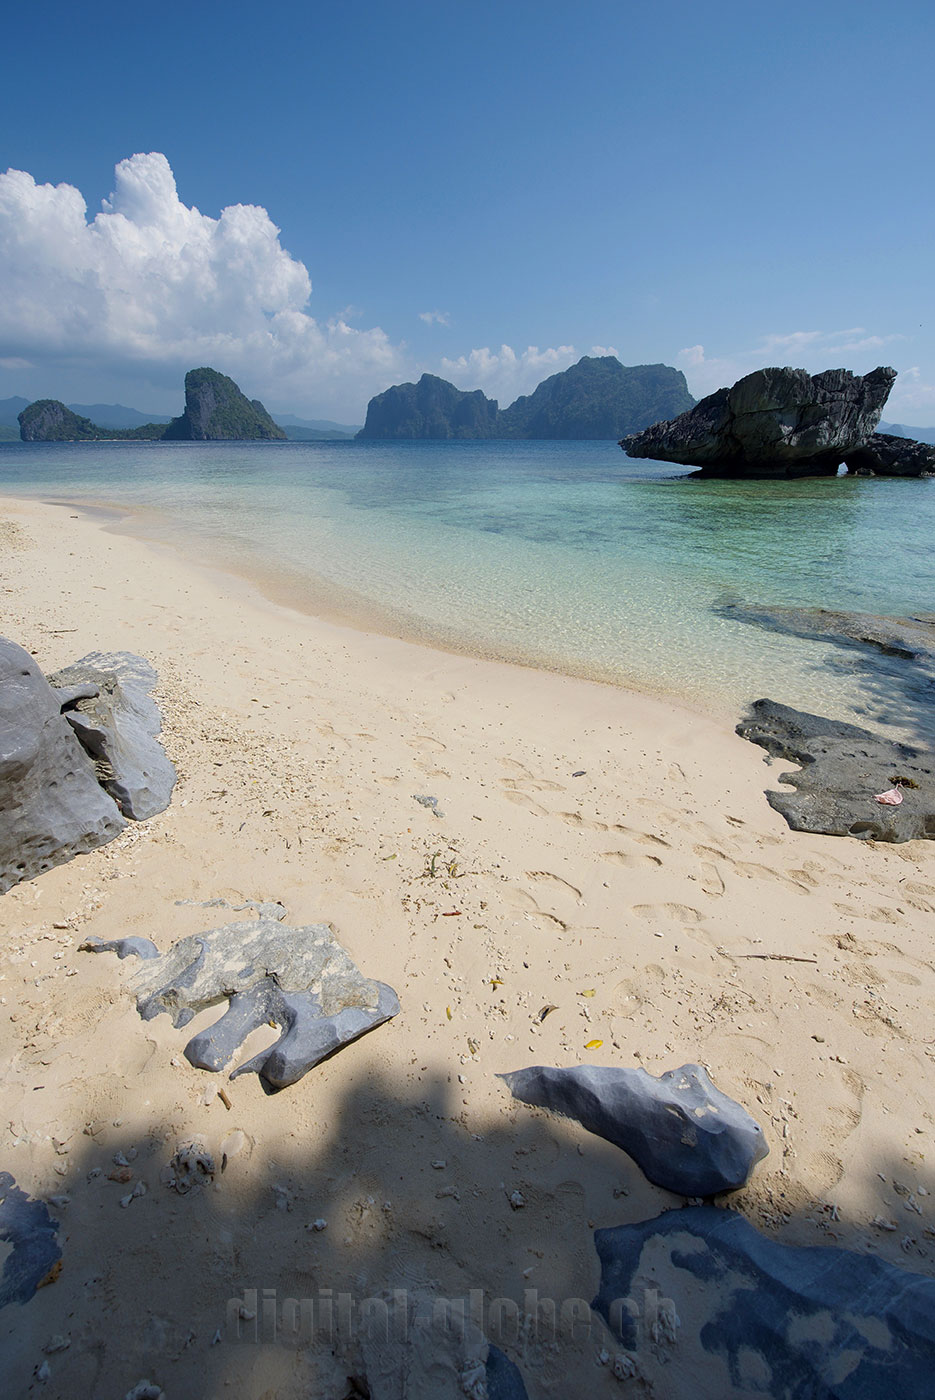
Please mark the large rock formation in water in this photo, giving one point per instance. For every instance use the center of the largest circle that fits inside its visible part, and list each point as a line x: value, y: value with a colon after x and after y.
x: 596, y: 398
x: 216, y: 410
x: 885, y: 454
x: 433, y: 408
x: 774, y: 422
x: 49, y: 420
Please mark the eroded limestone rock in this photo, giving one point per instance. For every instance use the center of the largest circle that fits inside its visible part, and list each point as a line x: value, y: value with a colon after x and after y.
x: 765, y: 1318
x: 51, y: 804
x: 106, y: 699
x: 680, y: 1130
x: 299, y: 978
x: 773, y: 422
x: 885, y: 454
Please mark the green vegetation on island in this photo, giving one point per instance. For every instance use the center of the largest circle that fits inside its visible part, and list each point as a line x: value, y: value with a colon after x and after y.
x: 596, y: 398
x: 216, y: 410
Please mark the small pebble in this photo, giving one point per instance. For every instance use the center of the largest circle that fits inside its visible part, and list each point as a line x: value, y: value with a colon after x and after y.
x: 517, y: 1200
x: 318, y: 1225
x: 55, y: 1344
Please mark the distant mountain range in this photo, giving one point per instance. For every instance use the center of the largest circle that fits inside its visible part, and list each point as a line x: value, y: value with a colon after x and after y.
x: 900, y: 430
x: 596, y: 398
x: 118, y: 416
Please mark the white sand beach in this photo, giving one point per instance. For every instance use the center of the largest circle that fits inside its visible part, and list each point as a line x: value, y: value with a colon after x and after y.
x: 606, y: 853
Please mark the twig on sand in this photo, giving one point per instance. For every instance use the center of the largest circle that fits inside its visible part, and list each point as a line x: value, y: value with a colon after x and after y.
x: 770, y: 957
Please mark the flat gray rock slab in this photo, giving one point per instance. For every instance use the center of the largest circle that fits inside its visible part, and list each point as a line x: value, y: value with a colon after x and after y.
x: 843, y: 769
x: 118, y: 728
x: 681, y: 1131
x: 51, y: 804
x: 771, y: 1319
x: 299, y: 978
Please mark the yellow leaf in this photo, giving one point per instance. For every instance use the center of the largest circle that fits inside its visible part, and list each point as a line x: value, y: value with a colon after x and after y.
x: 594, y: 1045
x: 495, y: 982
x: 588, y: 993
x: 448, y: 1012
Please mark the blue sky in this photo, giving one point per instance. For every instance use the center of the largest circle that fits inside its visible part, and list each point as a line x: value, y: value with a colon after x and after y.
x: 484, y: 191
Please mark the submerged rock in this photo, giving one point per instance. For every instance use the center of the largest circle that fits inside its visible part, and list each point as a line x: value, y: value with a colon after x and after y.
x: 51, y: 804
x: 299, y: 978
x: 844, y: 768
x: 773, y: 422
x: 884, y: 454
x: 106, y: 700
x: 681, y: 1131
x: 782, y: 1320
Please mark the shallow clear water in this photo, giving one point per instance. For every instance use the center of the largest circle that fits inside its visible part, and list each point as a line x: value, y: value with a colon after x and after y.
x: 568, y: 555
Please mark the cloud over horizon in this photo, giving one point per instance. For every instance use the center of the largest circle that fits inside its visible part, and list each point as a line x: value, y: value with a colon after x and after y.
x: 160, y: 285
x: 854, y: 349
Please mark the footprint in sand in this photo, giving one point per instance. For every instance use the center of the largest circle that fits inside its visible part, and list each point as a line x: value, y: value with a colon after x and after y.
x: 753, y: 870
x: 711, y: 881
x: 582, y: 823
x: 645, y: 838
x: 522, y: 800
x: 683, y: 913
x: 558, y: 885
x: 518, y: 898
x: 426, y: 741
x: 631, y: 860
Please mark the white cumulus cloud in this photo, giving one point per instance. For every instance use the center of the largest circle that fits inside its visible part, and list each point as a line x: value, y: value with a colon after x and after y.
x: 440, y: 318
x: 151, y: 282
x: 504, y: 375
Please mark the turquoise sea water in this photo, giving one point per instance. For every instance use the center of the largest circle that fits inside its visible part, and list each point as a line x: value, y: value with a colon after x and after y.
x: 566, y: 555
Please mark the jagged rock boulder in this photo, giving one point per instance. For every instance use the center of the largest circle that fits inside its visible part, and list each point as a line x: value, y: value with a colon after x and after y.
x: 216, y: 410
x: 681, y: 1131
x: 883, y: 454
x: 844, y: 768
x: 759, y: 1317
x: 299, y: 978
x: 51, y: 804
x: 773, y: 422
x: 106, y: 699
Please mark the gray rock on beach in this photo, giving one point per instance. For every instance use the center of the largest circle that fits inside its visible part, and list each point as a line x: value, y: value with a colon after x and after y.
x: 843, y: 769
x: 773, y: 422
x: 299, y: 978
x: 112, y: 712
x: 782, y: 1320
x: 51, y: 804
x: 681, y: 1131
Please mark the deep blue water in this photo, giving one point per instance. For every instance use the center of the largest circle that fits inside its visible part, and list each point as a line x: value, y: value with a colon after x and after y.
x: 568, y: 555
